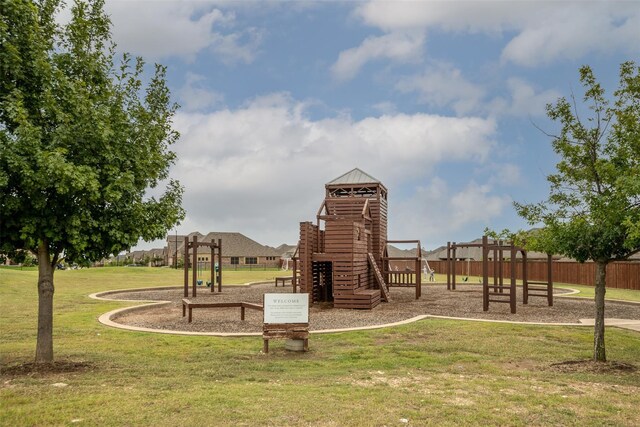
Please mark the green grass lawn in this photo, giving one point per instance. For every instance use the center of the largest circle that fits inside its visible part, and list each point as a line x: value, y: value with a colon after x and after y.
x: 611, y: 293
x: 433, y: 372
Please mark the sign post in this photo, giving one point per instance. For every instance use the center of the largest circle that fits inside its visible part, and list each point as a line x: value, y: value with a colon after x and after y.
x: 286, y: 316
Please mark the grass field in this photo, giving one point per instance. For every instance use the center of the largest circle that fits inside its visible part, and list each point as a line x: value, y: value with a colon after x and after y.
x: 433, y: 372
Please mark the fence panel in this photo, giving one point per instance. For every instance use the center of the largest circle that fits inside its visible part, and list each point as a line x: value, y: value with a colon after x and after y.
x: 621, y: 275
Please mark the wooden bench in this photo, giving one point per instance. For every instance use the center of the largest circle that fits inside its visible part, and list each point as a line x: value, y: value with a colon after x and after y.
x: 284, y: 280
x: 190, y: 305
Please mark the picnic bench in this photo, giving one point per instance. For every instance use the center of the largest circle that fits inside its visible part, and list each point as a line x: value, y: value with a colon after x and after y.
x: 187, y: 304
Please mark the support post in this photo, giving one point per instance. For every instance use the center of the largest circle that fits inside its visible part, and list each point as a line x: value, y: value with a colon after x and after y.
x: 219, y: 272
x: 495, y: 266
x: 448, y: 265
x: 186, y: 266
x: 549, y: 280
x: 194, y: 264
x: 294, y: 278
x: 525, y: 279
x: 485, y: 274
x: 213, y: 274
x: 453, y: 266
x: 418, y: 277
x: 512, y: 287
x: 501, y: 266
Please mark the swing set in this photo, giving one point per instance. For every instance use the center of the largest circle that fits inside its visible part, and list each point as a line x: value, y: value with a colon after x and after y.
x: 498, y: 291
x: 197, y: 265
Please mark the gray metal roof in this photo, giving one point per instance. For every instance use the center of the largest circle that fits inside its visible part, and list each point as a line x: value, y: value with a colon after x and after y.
x: 355, y: 176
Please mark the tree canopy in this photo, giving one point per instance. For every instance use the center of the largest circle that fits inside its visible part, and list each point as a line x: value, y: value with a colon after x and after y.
x: 593, y: 209
x: 82, y: 141
x: 80, y: 148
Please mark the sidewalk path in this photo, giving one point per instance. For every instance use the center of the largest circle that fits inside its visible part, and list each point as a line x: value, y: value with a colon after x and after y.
x: 633, y: 325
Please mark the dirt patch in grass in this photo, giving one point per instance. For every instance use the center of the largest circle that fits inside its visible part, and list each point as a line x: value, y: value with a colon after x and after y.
x: 590, y: 366
x: 465, y: 302
x: 57, y: 367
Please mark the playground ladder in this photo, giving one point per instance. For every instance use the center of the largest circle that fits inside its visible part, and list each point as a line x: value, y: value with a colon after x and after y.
x: 381, y: 283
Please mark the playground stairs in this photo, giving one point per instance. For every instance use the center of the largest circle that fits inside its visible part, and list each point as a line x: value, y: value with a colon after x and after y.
x: 361, y: 298
x: 384, y: 290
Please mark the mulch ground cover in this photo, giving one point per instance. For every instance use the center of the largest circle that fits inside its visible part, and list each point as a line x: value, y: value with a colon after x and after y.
x: 465, y: 301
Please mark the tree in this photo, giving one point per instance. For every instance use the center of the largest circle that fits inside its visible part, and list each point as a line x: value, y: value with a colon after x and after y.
x: 81, y: 144
x: 593, y: 210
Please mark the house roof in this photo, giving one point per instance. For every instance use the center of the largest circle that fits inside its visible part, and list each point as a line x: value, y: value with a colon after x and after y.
x: 235, y: 244
x: 354, y: 176
x: 179, y: 238
x: 151, y: 253
x: 286, y: 251
x: 475, y: 253
x: 156, y: 252
x: 434, y: 254
x: 395, y: 252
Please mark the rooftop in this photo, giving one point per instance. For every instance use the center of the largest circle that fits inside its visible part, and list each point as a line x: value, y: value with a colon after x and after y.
x: 354, y: 176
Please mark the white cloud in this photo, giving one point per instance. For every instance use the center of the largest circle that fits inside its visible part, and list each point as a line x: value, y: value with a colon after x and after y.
x: 505, y: 174
x: 475, y: 204
x: 261, y: 169
x: 544, y: 31
x: 399, y: 46
x: 194, y: 96
x: 574, y: 30
x: 437, y: 211
x: 444, y: 86
x: 525, y: 100
x: 238, y: 47
x: 163, y: 29
x: 472, y: 16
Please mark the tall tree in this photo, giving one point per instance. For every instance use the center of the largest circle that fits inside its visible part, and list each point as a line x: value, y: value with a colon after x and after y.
x: 593, y: 210
x: 82, y: 143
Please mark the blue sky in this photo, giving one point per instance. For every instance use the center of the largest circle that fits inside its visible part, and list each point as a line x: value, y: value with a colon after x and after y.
x: 438, y: 100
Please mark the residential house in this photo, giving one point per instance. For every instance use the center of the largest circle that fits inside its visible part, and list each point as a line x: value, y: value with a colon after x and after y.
x: 237, y: 250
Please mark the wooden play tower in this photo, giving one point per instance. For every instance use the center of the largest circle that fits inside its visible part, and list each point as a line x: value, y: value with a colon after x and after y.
x: 342, y: 262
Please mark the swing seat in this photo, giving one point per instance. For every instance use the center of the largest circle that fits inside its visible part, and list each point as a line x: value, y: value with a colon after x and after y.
x: 465, y: 279
x: 208, y: 283
x: 199, y: 282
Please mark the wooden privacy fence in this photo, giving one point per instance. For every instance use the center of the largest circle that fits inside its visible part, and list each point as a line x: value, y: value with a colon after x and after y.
x: 621, y: 275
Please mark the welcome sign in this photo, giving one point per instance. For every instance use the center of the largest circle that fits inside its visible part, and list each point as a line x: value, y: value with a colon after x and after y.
x: 286, y: 308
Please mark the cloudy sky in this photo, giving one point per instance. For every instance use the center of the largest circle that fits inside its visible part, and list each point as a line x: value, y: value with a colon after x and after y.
x: 438, y: 100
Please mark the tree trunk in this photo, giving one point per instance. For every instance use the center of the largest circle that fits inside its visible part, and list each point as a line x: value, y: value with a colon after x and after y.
x: 44, y: 344
x: 599, y: 354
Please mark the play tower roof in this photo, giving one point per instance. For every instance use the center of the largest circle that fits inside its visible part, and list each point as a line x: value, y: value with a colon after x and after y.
x: 354, y: 176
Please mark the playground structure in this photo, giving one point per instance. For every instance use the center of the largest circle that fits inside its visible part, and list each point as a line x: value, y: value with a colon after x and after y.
x: 499, y: 292
x: 215, y: 259
x: 411, y: 276
x: 343, y: 258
